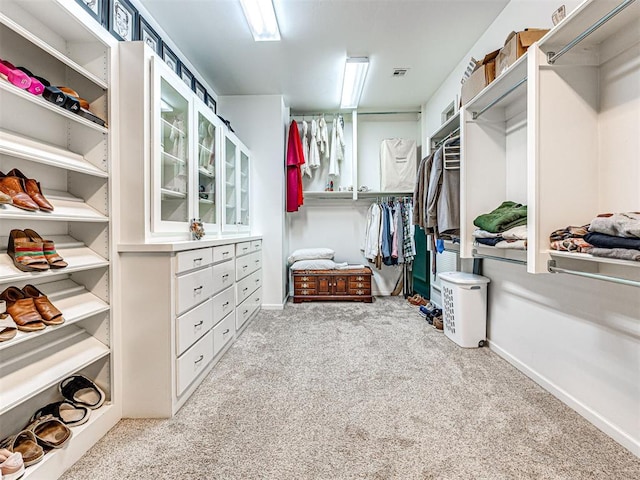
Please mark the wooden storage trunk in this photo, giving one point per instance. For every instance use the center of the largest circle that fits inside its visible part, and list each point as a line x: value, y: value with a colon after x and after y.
x: 336, y: 285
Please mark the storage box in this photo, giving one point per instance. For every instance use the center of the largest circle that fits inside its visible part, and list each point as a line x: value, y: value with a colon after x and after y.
x: 515, y: 46
x: 480, y: 78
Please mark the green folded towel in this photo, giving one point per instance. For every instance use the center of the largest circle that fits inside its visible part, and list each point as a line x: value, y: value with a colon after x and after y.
x: 506, y: 216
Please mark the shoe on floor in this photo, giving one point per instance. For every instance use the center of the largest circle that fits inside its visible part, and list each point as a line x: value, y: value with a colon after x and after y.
x: 11, y: 465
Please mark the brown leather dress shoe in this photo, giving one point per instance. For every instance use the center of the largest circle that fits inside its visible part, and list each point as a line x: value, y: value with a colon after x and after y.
x: 32, y: 187
x: 15, y: 188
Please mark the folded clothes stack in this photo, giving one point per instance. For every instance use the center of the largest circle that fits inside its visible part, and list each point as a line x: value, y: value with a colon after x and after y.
x: 612, y: 235
x: 504, y: 227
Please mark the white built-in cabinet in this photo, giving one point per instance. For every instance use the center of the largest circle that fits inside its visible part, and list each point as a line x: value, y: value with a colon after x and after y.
x: 190, y: 303
x: 181, y: 162
x: 560, y: 134
x: 74, y: 160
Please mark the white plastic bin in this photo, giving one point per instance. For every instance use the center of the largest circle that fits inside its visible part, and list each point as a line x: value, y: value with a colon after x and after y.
x: 464, y: 308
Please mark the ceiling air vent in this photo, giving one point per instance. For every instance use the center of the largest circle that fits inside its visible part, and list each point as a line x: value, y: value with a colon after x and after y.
x: 400, y: 72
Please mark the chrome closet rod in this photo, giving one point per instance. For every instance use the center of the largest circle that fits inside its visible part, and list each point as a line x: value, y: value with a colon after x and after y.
x: 476, y: 115
x: 312, y: 114
x: 475, y: 254
x: 553, y: 56
x: 551, y: 267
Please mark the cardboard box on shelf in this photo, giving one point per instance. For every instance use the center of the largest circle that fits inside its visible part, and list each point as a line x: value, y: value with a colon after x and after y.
x: 515, y: 46
x: 482, y: 76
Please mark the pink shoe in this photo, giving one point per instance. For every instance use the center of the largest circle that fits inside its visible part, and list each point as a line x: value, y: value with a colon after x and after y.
x: 12, y: 466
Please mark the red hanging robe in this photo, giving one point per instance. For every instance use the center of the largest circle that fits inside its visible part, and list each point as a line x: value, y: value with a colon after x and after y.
x: 295, y: 158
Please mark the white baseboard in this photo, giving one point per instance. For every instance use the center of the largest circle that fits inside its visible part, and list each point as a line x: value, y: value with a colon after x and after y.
x: 272, y: 306
x: 623, y: 438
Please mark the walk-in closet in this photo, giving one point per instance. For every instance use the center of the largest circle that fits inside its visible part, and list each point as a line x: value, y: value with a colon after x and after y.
x: 312, y: 240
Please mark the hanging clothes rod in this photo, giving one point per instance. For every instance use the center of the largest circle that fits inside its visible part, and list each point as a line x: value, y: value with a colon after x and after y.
x: 475, y: 254
x: 387, y: 113
x: 313, y: 114
x: 553, y: 56
x: 477, y: 115
x: 551, y: 266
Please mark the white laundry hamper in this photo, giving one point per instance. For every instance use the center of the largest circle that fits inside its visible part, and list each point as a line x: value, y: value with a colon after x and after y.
x: 464, y: 308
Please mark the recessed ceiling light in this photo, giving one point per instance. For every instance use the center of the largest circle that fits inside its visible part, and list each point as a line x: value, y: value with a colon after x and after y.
x: 355, y: 71
x: 261, y: 18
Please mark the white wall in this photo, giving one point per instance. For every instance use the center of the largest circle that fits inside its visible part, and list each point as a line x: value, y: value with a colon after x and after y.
x: 259, y: 121
x: 578, y: 338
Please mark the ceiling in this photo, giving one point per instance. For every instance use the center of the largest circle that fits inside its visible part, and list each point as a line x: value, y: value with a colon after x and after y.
x: 428, y: 37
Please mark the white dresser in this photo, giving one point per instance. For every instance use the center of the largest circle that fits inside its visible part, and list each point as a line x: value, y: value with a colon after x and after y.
x: 187, y: 303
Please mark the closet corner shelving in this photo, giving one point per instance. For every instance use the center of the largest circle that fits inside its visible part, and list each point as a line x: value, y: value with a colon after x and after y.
x: 74, y: 160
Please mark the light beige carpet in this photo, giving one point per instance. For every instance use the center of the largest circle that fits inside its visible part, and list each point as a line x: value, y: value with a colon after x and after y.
x: 359, y: 391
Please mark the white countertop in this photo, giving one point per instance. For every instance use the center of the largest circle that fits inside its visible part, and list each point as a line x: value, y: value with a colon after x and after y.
x: 180, y: 245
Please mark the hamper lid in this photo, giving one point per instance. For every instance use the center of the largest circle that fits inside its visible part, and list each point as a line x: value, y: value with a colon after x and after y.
x: 463, y: 278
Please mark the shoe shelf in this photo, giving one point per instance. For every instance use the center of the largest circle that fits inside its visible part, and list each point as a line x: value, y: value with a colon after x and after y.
x: 55, y: 25
x: 41, y: 102
x: 206, y: 173
x: 172, y: 194
x: 72, y: 299
x: 66, y: 208
x: 78, y: 258
x: 49, y: 360
x: 21, y: 147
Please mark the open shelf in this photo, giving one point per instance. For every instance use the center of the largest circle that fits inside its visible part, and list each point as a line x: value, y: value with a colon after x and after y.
x: 49, y: 361
x: 587, y: 51
x: 174, y: 159
x: 73, y: 300
x: 587, y: 257
x: 79, y: 259
x: 206, y: 173
x: 18, y: 146
x: 446, y: 129
x: 66, y: 208
x: 51, y: 50
x: 41, y: 102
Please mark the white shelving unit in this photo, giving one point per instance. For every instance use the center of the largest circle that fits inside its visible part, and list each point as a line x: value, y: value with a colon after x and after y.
x: 73, y: 160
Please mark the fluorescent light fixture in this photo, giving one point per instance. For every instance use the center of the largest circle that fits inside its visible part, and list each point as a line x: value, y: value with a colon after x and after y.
x: 355, y: 72
x: 261, y: 18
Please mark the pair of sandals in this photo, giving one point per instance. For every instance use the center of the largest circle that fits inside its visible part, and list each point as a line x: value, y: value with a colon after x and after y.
x: 30, y: 309
x: 8, y: 328
x: 32, y: 253
x: 417, y: 299
x: 49, y: 426
x: 45, y: 432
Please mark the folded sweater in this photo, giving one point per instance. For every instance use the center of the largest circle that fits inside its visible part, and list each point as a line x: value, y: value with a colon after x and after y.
x: 506, y: 216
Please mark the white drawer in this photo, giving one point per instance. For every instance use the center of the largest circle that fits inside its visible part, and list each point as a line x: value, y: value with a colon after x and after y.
x: 256, y: 245
x: 223, y: 304
x: 222, y: 333
x: 248, y: 264
x: 247, y: 308
x: 247, y: 286
x: 193, y: 325
x: 223, y: 252
x: 192, y: 259
x: 223, y: 276
x: 243, y: 248
x: 193, y: 288
x: 193, y: 362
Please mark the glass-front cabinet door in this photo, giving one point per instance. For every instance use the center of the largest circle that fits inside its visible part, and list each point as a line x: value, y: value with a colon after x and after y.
x: 243, y: 221
x: 171, y: 151
x: 206, y: 173
x: 230, y: 182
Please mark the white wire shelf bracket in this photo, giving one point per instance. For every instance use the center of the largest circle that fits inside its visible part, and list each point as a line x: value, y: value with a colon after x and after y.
x: 552, y: 268
x: 553, y: 56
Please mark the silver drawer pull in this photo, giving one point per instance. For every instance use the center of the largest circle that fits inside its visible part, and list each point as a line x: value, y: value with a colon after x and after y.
x: 258, y: 261
x: 245, y: 266
x: 245, y: 289
x: 225, y: 253
x: 196, y: 325
x: 197, y: 260
x: 226, y: 275
x: 245, y: 249
x: 225, y: 304
x: 245, y: 312
x: 225, y: 332
x: 200, y: 358
x: 257, y: 280
x: 197, y: 289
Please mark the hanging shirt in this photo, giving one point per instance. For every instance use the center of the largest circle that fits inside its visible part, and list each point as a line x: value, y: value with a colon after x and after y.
x: 398, y: 165
x: 323, y: 138
x: 305, y: 149
x: 295, y: 158
x: 334, y: 167
x: 314, y: 153
x: 340, y: 138
x: 372, y: 233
